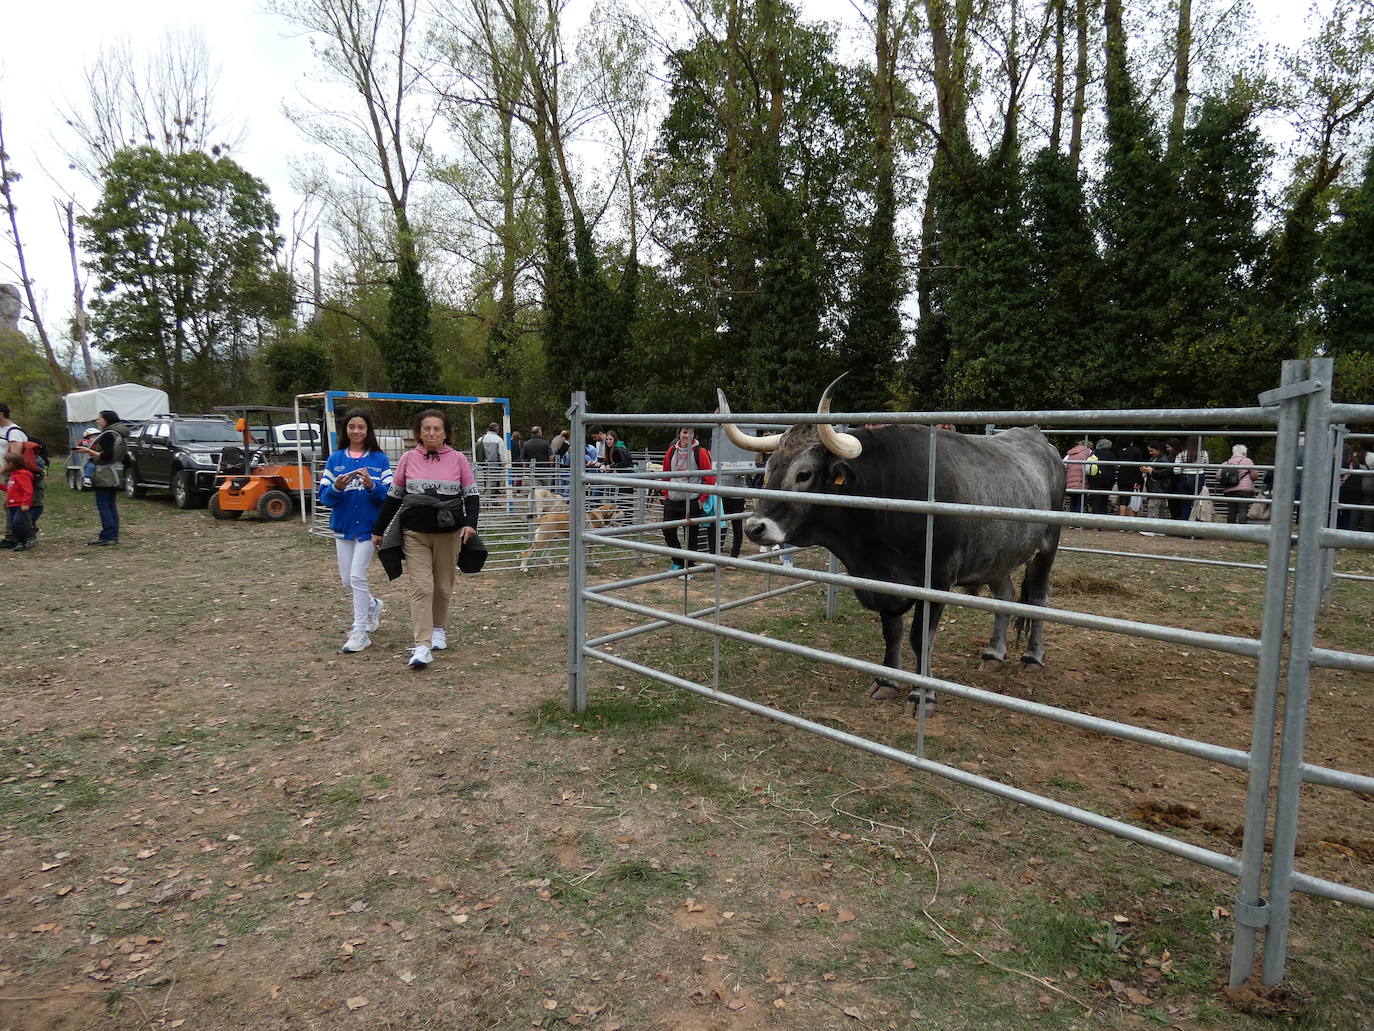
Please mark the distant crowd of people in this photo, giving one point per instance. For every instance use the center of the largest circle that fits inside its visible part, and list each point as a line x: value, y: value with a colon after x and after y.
x: 1164, y: 479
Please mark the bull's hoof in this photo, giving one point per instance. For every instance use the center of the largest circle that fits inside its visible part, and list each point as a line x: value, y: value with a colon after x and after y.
x: 989, y: 665
x: 919, y: 700
x: 884, y: 690
x: 1030, y: 665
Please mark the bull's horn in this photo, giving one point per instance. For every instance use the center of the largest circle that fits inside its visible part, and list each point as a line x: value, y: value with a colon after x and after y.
x: 739, y: 438
x: 845, y: 445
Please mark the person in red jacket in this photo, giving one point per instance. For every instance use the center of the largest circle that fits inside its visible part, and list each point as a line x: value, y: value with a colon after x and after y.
x: 685, y: 455
x: 18, y: 501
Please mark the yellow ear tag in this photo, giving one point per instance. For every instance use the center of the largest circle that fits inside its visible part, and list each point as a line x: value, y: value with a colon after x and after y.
x: 839, y: 479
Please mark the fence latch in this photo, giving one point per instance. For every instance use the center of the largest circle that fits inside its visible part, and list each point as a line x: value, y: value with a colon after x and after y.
x: 1291, y: 390
x: 1252, y: 914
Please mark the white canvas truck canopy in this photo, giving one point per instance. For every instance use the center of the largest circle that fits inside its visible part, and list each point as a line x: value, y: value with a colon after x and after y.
x: 127, y: 400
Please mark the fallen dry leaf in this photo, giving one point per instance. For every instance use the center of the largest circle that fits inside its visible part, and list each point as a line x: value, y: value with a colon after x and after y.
x: 844, y: 917
x: 357, y: 1002
x: 853, y: 1011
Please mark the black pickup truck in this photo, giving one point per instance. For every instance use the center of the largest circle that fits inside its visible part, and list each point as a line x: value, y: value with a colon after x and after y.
x: 179, y: 453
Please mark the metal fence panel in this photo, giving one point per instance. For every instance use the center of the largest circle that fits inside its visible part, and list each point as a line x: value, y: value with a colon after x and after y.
x: 1302, y: 389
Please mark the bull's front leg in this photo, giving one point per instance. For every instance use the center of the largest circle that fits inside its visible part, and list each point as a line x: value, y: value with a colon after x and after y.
x: 893, y: 622
x: 996, y: 651
x: 923, y: 697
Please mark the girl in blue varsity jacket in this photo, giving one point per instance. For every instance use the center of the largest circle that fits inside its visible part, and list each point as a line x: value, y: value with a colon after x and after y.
x: 353, y: 486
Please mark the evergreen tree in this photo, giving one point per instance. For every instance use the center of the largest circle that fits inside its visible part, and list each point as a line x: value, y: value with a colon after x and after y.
x: 1137, y: 211
x: 1347, y: 291
x: 408, y: 346
x: 873, y: 334
x: 989, y: 301
x: 763, y: 151
x: 1066, y: 276
x: 562, y: 319
x: 1215, y: 346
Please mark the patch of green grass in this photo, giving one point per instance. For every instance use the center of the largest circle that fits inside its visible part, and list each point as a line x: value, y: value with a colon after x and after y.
x: 55, y: 793
x: 629, y: 711
x: 619, y: 893
x: 1063, y: 783
x: 692, y: 777
x: 884, y: 806
x: 267, y: 857
x: 1056, y: 939
x: 344, y: 795
x: 467, y: 789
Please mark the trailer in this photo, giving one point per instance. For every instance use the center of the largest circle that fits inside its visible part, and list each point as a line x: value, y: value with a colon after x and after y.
x: 132, y: 402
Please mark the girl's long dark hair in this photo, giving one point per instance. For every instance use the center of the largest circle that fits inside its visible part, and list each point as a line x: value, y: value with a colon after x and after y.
x: 370, y: 441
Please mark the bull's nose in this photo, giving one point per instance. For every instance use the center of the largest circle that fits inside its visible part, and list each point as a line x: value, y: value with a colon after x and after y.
x: 756, y: 530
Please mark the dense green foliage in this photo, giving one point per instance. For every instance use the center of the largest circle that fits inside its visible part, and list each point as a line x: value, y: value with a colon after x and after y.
x: 408, y: 344
x: 749, y: 200
x: 1347, y: 293
x: 181, y: 246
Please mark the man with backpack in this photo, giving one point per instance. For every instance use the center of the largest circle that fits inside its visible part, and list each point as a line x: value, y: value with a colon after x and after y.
x: 10, y: 431
x: 14, y: 440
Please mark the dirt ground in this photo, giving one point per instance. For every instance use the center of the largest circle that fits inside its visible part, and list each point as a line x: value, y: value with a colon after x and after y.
x: 210, y: 818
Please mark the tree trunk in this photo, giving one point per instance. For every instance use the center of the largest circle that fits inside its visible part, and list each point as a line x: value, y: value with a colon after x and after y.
x: 1118, y: 86
x: 79, y: 300
x: 1183, y: 45
x: 7, y: 180
x: 1080, y: 84
x: 1057, y: 78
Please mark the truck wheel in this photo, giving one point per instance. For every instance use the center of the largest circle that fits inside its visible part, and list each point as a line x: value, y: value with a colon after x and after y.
x: 184, y: 493
x: 221, y: 513
x: 131, y: 487
x: 274, y: 506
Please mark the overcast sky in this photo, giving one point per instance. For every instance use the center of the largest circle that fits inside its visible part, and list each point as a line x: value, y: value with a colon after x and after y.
x: 46, y: 44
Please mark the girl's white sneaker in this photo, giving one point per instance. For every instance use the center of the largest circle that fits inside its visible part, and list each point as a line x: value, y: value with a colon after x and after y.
x: 356, y: 643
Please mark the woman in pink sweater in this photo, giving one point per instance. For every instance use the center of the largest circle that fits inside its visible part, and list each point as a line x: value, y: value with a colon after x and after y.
x: 434, y: 495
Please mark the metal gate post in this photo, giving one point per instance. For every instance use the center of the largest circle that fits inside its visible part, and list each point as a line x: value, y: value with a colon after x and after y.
x: 577, y: 556
x: 1329, y: 555
x: 832, y: 593
x: 1307, y: 589
x: 1251, y: 912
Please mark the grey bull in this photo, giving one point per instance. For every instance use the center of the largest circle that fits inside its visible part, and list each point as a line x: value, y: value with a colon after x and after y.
x: 1017, y: 468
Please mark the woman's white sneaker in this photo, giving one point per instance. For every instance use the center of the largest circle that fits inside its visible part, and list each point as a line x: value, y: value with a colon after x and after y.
x: 356, y: 643
x: 439, y: 639
x: 374, y: 614
x: 420, y: 657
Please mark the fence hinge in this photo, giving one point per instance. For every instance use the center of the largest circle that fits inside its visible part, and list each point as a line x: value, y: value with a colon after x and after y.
x: 572, y: 410
x: 1300, y: 389
x: 1254, y: 914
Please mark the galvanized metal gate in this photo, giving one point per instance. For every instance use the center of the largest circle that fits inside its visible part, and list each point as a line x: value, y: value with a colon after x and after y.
x: 1300, y: 405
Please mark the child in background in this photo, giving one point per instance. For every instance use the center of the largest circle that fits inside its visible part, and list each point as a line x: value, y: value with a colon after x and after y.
x: 18, y: 483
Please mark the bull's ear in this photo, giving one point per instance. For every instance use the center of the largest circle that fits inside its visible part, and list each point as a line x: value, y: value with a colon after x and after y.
x: 841, y: 475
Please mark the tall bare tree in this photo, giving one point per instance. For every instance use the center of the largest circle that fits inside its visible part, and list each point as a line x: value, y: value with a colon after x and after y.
x: 164, y: 100
x: 1183, y: 50
x: 8, y: 178
x: 372, y: 47
x: 78, y: 295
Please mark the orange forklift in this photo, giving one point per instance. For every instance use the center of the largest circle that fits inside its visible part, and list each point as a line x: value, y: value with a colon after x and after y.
x: 271, y: 473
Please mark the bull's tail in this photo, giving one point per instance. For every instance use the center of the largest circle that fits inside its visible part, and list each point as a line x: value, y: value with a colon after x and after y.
x: 1022, y: 623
